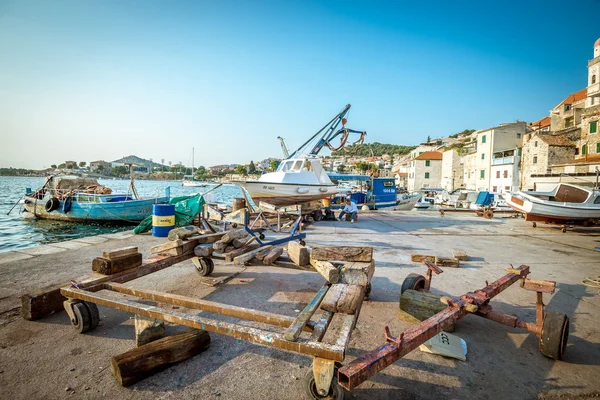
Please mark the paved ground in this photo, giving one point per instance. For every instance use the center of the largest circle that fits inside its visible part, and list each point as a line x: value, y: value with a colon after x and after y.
x: 43, y: 359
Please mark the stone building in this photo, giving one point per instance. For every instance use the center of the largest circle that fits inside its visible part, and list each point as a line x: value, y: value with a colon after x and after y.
x: 106, y: 166
x: 427, y: 171
x: 590, y: 119
x: 452, y: 169
x: 541, y: 151
x: 541, y: 125
x: 568, y: 112
x: 496, y: 143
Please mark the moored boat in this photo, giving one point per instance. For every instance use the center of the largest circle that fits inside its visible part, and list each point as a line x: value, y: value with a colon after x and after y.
x: 566, y: 202
x: 75, y: 199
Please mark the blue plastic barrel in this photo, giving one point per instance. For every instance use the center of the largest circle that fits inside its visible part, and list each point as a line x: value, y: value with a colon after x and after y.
x: 163, y: 219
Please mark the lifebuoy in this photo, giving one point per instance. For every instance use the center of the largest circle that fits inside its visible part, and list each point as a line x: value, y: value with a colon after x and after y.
x: 52, y: 204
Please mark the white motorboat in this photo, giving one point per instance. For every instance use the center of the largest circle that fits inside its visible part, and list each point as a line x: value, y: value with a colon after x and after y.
x: 297, y: 180
x: 566, y: 202
x: 406, y: 201
x: 422, y: 204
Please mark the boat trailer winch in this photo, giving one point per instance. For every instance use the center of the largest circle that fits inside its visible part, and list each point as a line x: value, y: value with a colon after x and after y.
x: 552, y: 327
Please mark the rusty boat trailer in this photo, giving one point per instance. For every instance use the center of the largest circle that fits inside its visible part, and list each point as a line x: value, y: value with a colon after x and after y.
x: 552, y: 328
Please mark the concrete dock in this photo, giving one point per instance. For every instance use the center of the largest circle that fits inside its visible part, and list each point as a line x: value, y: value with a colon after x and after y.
x: 48, y: 359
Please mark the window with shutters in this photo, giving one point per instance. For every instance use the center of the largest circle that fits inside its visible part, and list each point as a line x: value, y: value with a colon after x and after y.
x: 427, y: 163
x: 426, y: 175
x: 483, y: 139
x: 482, y: 174
x: 535, y: 159
x: 506, y: 173
x: 593, y: 126
x: 497, y: 174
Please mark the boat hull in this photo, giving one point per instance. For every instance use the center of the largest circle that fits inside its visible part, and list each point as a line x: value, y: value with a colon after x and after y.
x: 284, y: 194
x: 132, y: 211
x: 407, y: 204
x: 549, y: 211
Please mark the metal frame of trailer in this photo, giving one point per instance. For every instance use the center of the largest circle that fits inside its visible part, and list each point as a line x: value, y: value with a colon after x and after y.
x: 280, y: 331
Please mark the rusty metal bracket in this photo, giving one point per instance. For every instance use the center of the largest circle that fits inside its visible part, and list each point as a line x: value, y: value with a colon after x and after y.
x: 431, y: 268
x: 391, y: 339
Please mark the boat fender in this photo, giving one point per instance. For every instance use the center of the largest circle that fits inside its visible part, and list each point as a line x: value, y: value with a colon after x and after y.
x: 52, y: 204
x: 67, y: 204
x: 303, y: 190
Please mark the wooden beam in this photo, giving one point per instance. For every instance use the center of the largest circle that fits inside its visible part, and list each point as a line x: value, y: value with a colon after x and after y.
x: 166, y: 246
x: 327, y: 270
x: 246, y: 257
x: 125, y: 251
x: 183, y: 232
x: 141, y: 362
x: 446, y: 262
x: 342, y: 253
x: 343, y: 298
x: 203, y: 250
x: 421, y: 305
x: 232, y: 235
x: 293, y: 332
x: 273, y: 256
x: 298, y: 253
x: 107, y: 266
x: 321, y: 326
x: 420, y: 257
x: 357, y: 273
x: 460, y: 255
x: 238, y: 252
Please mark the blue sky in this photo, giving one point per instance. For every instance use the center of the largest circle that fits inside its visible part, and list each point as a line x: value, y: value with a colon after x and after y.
x: 88, y: 80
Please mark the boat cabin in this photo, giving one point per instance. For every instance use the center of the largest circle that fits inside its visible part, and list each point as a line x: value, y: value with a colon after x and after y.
x: 301, y: 170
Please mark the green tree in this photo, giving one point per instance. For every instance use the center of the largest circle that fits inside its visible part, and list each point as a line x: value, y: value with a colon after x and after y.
x: 363, y: 166
x: 61, y: 166
x: 100, y: 168
x: 252, y: 167
x: 201, y: 170
x: 428, y: 138
x: 341, y: 168
x: 82, y: 164
x: 120, y: 170
x: 241, y: 170
x: 274, y: 165
x: 53, y: 166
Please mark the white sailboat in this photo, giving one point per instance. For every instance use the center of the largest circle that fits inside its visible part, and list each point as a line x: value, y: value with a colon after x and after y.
x: 566, y: 202
x: 188, y: 180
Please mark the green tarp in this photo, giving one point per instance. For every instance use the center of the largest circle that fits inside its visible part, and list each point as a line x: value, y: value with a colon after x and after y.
x: 186, y: 209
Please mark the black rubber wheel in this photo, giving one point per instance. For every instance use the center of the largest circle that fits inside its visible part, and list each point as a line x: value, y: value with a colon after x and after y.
x: 564, y: 229
x: 413, y: 282
x: 534, y: 224
x: 555, y: 334
x: 94, y: 314
x: 302, y: 242
x: 52, y: 204
x: 204, y: 266
x: 488, y: 214
x: 317, y: 216
x: 83, y: 319
x: 261, y: 236
x: 336, y: 392
x: 368, y: 290
x: 234, y: 225
x: 212, y: 266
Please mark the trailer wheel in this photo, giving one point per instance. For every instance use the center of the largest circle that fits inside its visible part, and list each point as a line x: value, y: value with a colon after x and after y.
x: 564, y: 228
x: 336, y: 392
x: 204, y: 266
x: 555, y: 334
x: 94, y: 314
x: 83, y: 319
x: 413, y: 282
x: 302, y: 242
x: 261, y: 236
x: 317, y: 215
x: 488, y: 214
x: 534, y: 224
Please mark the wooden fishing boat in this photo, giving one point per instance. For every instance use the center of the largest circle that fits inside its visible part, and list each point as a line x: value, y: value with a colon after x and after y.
x: 565, y: 203
x: 75, y: 199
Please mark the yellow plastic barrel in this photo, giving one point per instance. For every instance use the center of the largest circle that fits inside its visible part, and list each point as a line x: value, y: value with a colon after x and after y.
x: 163, y: 219
x: 326, y: 203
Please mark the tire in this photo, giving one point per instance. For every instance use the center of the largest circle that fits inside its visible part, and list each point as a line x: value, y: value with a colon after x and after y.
x: 336, y: 392
x: 317, y: 216
x: 52, y: 204
x: 555, y: 334
x: 488, y: 214
x: 302, y: 242
x: 83, y: 319
x: 204, y: 266
x: 368, y: 290
x: 261, y: 236
x: 413, y: 282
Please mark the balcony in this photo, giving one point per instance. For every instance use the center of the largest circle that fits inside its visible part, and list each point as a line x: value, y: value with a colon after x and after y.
x: 503, y: 160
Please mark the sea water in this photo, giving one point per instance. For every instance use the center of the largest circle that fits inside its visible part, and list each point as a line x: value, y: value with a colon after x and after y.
x: 17, y: 232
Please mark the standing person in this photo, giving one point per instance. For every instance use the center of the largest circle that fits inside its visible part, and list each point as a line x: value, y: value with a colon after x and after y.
x: 351, y: 209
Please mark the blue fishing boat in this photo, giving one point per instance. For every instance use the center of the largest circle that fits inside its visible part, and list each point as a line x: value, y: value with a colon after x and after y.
x: 76, y: 199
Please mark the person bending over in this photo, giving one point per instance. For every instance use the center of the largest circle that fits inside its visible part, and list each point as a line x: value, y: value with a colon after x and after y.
x: 351, y: 209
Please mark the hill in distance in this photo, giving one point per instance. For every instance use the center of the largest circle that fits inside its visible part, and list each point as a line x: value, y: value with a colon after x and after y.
x: 138, y: 161
x: 378, y: 149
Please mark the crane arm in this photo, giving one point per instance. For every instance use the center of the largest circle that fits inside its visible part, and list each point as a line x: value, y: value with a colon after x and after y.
x: 286, y: 153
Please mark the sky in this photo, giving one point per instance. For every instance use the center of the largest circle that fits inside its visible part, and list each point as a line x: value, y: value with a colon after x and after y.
x: 99, y: 80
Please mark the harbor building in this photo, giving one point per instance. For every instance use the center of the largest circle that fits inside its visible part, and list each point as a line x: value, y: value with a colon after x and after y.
x: 541, y: 151
x: 101, y: 166
x: 426, y: 171
x: 452, y: 169
x: 504, y: 172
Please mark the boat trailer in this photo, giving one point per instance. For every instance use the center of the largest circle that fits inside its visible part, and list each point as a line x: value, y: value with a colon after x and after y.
x: 551, y: 327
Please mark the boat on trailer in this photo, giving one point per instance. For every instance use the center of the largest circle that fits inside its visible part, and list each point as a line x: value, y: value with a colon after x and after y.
x: 565, y: 203
x: 76, y: 199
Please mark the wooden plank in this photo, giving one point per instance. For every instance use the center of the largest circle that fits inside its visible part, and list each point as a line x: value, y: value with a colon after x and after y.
x: 273, y: 256
x: 422, y: 305
x: 209, y: 238
x: 321, y: 326
x: 49, y: 300
x: 203, y: 250
x: 293, y: 332
x: 124, y: 251
x: 148, y: 329
x: 327, y: 270
x: 357, y: 273
x: 460, y: 255
x: 290, y: 265
x: 343, y: 298
x: 246, y: 257
x: 238, y: 252
x: 219, y: 245
x: 166, y: 246
x: 183, y: 232
x: 112, y: 266
x: 420, y: 257
x: 141, y: 362
x: 342, y: 253
x: 262, y: 254
x: 298, y: 253
x: 446, y: 262
x: 231, y: 235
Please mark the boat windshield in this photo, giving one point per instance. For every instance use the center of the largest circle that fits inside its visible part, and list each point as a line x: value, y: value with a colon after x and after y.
x: 286, y: 166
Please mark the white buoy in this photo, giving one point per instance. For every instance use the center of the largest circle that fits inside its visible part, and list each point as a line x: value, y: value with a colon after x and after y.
x: 364, y: 207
